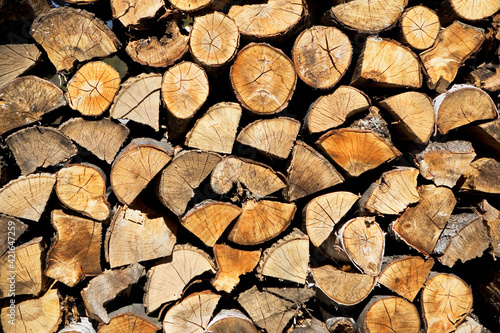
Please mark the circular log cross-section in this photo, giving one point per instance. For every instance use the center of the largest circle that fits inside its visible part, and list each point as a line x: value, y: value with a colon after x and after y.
x: 420, y: 27
x: 471, y: 10
x: 263, y: 78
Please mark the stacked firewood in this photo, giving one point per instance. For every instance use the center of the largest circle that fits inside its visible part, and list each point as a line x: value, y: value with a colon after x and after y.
x: 228, y: 166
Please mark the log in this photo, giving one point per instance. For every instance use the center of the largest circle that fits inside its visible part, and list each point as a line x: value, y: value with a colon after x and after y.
x: 216, y: 129
x: 470, y: 325
x: 420, y: 27
x: 487, y: 134
x: 444, y: 163
x: 135, y: 14
x: 231, y: 321
x: 341, y: 325
x: 308, y: 172
x: 76, y: 250
x: 321, y: 56
x: 232, y: 263
x: 13, y: 229
x: 129, y: 323
x: 311, y: 325
x: 483, y: 176
x: 191, y: 5
x: 485, y: 76
x: 166, y: 281
x: 469, y: 10
x: 82, y: 326
x: 273, y: 137
x: 26, y: 196
x: 103, y: 137
x: 491, y: 216
x: 454, y: 45
x: 129, y: 178
x: 25, y: 100
x: 386, y: 63
x: 263, y: 78
x: 16, y: 59
x: 60, y: 32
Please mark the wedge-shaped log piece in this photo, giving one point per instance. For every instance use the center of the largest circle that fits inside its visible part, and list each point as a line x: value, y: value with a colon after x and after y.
x: 191, y: 5
x: 322, y: 213
x: 261, y: 221
x: 334, y: 109
x: 184, y: 174
x: 287, y: 259
x: 136, y: 236
x: 134, y: 13
x: 386, y: 63
x: 405, y: 275
x: 231, y: 321
x: 392, y: 192
x: 43, y: 314
x: 209, y: 219
x: 39, y: 147
x: 343, y: 287
x: 420, y: 27
x: 454, y: 45
x: 368, y: 16
x: 482, y: 175
x: 465, y: 237
x: 192, y: 314
x: 216, y: 129
x: 308, y: 172
x: 414, y: 115
x: 129, y: 323
x: 232, y: 263
x: 272, y: 137
x: 101, y: 137
x: 321, y: 56
x: 106, y: 286
x: 69, y: 35
x: 13, y: 230
x: 485, y: 76
x: 444, y: 163
x: 446, y: 301
x: 15, y: 59
x: 421, y: 225
x: 136, y: 165
x: 76, y: 250
x: 389, y: 314
x: 82, y: 187
x: 166, y: 281
x: 26, y: 264
x: 357, y: 151
x: 25, y: 100
x: 491, y: 216
x: 472, y: 11
x: 26, y: 196
x: 263, y: 78
x: 258, y: 178
x: 470, y: 324
x: 462, y: 105
x: 270, y: 19
x: 487, y: 134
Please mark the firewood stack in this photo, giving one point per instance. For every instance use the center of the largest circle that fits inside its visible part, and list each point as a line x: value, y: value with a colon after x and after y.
x: 249, y: 166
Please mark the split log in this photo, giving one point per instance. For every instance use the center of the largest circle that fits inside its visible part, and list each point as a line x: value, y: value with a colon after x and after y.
x: 192, y: 314
x: 101, y: 137
x: 214, y: 40
x: 26, y: 196
x: 25, y: 100
x: 414, y: 115
x: 469, y: 10
x: 488, y: 134
x: 232, y: 263
x: 309, y: 325
x: 232, y: 320
x: 263, y: 78
x: 261, y: 221
x: 482, y: 175
x: 486, y: 76
x: 82, y: 326
x: 491, y: 216
x: 76, y: 250
x: 106, y: 286
x: 185, y: 173
x: 386, y: 63
x: 287, y: 259
x: 462, y: 105
x: 470, y: 325
x: 129, y: 178
x: 69, y: 35
x: 133, y: 13
x: 391, y: 193
x: 129, y: 323
x: 273, y: 137
x: 16, y: 59
x: 308, y: 172
x: 216, y: 129
x: 405, y: 275
x: 420, y: 27
x: 446, y: 301
x: 389, y: 313
x: 332, y: 110
x: 322, y: 56
x: 454, y: 45
x: 444, y: 163
x: 13, y: 229
x: 191, y: 5
x: 465, y: 237
x: 374, y: 122
x: 21, y: 270
x: 166, y: 281
x: 209, y: 219
x: 357, y: 151
x: 421, y: 225
x: 322, y: 213
x: 136, y: 309
x: 136, y: 236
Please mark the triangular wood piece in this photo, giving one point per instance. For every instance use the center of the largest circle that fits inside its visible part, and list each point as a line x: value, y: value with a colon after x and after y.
x: 420, y: 27
x: 129, y: 323
x: 491, y: 216
x: 14, y: 228
x: 231, y: 321
x: 487, y: 134
x: 15, y: 59
x: 482, y: 176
